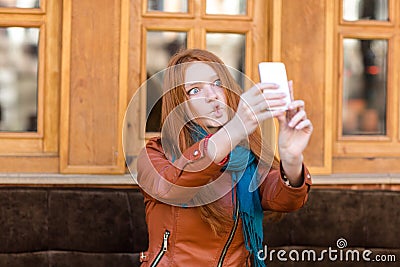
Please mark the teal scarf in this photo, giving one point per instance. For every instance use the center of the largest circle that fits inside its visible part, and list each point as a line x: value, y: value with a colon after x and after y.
x: 243, y: 166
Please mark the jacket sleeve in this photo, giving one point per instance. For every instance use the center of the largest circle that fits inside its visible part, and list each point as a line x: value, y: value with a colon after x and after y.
x: 175, y: 181
x: 277, y: 196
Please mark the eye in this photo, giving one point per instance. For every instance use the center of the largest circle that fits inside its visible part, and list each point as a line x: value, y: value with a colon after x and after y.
x: 193, y: 91
x: 218, y: 83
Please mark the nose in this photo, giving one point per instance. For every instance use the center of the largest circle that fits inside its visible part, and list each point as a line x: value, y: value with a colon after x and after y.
x: 210, y: 92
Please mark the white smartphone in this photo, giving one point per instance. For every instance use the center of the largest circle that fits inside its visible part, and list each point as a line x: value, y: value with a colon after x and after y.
x: 275, y: 72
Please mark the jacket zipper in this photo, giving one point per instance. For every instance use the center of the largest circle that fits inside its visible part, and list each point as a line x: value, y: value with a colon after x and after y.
x: 162, y: 250
x: 231, y: 235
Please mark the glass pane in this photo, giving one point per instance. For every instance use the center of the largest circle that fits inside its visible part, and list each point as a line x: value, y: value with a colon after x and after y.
x: 364, y: 87
x: 365, y: 10
x: 231, y: 48
x: 20, y: 3
x: 167, y: 6
x: 18, y: 78
x: 226, y: 7
x: 161, y: 45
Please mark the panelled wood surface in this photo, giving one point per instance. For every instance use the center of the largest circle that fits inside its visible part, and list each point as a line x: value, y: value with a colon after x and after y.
x: 92, y: 141
x: 94, y: 82
x: 53, y: 77
x: 303, y: 52
x: 28, y: 164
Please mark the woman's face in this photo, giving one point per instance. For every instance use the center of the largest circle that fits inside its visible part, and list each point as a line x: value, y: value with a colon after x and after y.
x: 206, y: 95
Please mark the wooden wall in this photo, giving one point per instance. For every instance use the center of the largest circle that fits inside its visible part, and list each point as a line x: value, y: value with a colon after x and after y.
x: 303, y: 49
x: 92, y: 86
x: 101, y: 57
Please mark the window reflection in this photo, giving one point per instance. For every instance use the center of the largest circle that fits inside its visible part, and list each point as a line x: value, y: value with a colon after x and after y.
x: 161, y: 45
x: 20, y: 3
x: 230, y: 47
x: 226, y: 7
x: 18, y: 78
x: 365, y: 10
x: 167, y: 6
x: 364, y: 87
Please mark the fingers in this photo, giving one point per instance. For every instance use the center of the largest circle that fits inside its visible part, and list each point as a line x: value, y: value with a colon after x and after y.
x: 261, y: 93
x: 293, y: 108
x: 268, y: 114
x: 271, y: 94
x: 263, y: 86
x: 297, y: 118
x: 304, y: 125
x: 295, y: 115
x: 297, y: 104
x: 263, y: 110
x: 274, y: 104
x: 265, y: 101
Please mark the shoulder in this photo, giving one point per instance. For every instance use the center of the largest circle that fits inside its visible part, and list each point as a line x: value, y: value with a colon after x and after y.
x: 154, y: 142
x: 151, y: 152
x: 153, y: 146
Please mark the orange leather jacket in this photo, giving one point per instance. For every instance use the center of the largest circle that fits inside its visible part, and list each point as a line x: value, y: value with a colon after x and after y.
x: 177, y: 235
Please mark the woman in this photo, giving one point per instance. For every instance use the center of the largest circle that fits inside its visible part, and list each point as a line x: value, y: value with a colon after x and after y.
x: 209, y: 178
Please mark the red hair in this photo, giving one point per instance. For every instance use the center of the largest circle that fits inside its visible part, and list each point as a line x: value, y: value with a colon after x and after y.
x: 173, y: 98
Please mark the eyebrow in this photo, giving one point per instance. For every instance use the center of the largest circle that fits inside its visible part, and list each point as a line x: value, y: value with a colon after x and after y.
x: 188, y: 85
x: 211, y: 78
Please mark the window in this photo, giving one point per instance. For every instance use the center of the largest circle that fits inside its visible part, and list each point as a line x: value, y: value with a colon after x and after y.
x: 20, y: 4
x: 224, y: 27
x: 160, y: 46
x: 18, y: 80
x: 227, y: 28
x: 29, y: 82
x: 366, y: 137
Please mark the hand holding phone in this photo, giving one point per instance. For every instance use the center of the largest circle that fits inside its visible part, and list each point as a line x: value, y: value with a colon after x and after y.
x: 275, y: 72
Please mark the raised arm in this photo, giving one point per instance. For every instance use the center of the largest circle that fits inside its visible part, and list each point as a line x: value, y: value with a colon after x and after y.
x: 178, y: 181
x: 276, y: 195
x: 252, y: 110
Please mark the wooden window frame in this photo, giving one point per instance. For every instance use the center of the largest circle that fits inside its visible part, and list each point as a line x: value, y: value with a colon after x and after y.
x: 196, y: 23
x: 143, y: 93
x: 389, y: 23
x: 375, y: 153
x: 162, y: 14
x: 23, y: 11
x: 37, y: 151
x: 247, y: 17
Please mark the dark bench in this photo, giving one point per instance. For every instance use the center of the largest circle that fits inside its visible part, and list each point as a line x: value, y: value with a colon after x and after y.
x: 362, y: 219
x: 106, y: 227
x: 71, y: 227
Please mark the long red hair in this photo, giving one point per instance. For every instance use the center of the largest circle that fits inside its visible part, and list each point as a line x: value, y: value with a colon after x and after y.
x: 177, y: 130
